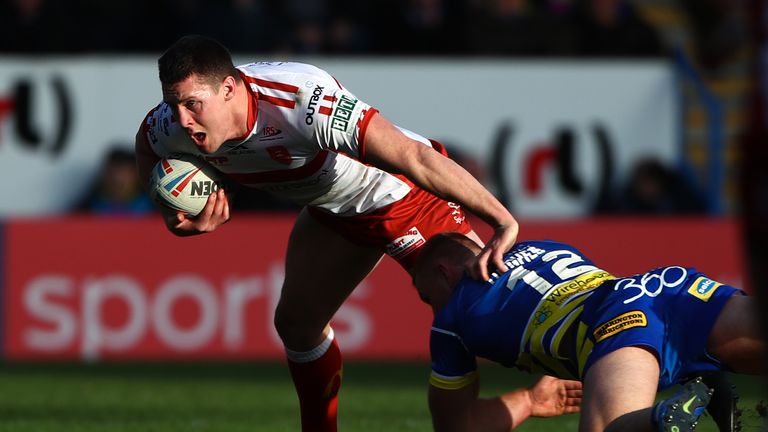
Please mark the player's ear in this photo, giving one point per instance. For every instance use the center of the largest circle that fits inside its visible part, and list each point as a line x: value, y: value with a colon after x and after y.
x: 450, y: 271
x: 229, y: 86
x: 447, y: 274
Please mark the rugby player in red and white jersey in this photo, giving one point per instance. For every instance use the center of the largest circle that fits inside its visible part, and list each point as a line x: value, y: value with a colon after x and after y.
x: 293, y: 130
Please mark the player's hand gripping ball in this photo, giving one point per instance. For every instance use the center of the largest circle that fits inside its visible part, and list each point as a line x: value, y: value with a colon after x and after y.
x: 183, y: 182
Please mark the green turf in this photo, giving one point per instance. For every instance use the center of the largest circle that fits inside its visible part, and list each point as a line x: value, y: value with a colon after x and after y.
x: 235, y: 397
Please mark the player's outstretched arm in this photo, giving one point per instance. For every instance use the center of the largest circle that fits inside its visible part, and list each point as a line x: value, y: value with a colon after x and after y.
x: 461, y: 410
x: 388, y: 148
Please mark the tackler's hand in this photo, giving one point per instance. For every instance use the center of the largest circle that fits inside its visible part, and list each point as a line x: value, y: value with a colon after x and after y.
x: 491, y: 258
x: 551, y: 397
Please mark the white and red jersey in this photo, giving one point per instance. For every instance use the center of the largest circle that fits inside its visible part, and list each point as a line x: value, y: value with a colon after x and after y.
x: 306, y: 141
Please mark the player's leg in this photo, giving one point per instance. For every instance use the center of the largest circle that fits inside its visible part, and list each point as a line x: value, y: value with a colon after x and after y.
x: 681, y: 411
x: 322, y: 269
x: 723, y: 407
x: 736, y: 338
x: 619, y: 391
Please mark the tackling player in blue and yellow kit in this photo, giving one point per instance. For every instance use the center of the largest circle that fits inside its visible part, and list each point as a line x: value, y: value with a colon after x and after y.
x: 555, y: 312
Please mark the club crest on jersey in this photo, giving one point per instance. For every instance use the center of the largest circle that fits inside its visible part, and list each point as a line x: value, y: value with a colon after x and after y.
x: 279, y: 154
x: 405, y: 244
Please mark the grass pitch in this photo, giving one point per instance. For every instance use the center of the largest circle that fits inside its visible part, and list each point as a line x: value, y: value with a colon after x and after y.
x: 237, y: 397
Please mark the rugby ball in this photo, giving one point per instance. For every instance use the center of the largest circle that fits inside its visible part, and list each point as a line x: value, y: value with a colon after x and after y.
x: 183, y: 183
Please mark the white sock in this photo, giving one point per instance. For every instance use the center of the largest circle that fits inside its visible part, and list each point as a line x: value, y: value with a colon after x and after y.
x: 313, y: 354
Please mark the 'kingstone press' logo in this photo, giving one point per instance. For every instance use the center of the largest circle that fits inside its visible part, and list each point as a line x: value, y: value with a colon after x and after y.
x: 19, y: 106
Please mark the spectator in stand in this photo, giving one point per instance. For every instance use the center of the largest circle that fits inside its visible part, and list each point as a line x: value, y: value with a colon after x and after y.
x: 32, y: 26
x: 307, y: 23
x: 719, y: 28
x: 653, y: 188
x: 613, y: 28
x: 232, y: 22
x: 347, y: 36
x: 323, y: 27
x: 400, y: 27
x: 420, y: 27
x: 507, y: 27
x: 117, y: 190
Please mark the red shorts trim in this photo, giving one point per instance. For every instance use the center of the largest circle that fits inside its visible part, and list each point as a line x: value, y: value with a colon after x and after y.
x: 401, y: 228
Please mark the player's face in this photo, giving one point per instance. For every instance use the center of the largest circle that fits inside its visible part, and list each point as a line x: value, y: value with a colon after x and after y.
x: 201, y: 111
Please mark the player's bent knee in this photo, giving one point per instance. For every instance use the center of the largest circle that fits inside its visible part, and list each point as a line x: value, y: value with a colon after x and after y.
x: 296, y: 329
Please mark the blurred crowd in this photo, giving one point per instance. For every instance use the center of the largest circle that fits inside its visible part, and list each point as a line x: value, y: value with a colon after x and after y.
x: 492, y: 28
x: 652, y: 187
x: 116, y: 190
x: 333, y: 27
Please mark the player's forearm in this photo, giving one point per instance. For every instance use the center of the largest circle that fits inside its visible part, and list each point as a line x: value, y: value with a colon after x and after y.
x: 448, y: 180
x: 389, y: 149
x: 502, y: 413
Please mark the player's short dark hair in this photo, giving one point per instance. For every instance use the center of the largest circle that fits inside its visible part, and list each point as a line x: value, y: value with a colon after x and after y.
x: 459, y: 246
x: 196, y: 55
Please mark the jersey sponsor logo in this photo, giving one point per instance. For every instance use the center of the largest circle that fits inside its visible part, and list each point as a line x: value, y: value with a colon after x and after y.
x: 270, y: 133
x: 280, y: 154
x: 625, y: 321
x: 580, y: 284
x: 541, y: 315
x: 217, y: 160
x: 343, y: 113
x: 560, y: 295
x: 456, y: 213
x: 242, y: 151
x: 523, y: 256
x: 703, y: 288
x: 405, y: 244
x: 159, y: 122
x: 653, y: 283
x: 309, y: 116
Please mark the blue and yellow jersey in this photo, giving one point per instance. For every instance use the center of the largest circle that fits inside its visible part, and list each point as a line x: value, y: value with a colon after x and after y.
x: 527, y: 317
x: 554, y: 312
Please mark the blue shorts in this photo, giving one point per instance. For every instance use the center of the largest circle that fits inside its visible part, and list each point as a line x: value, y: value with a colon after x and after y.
x: 669, y: 310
